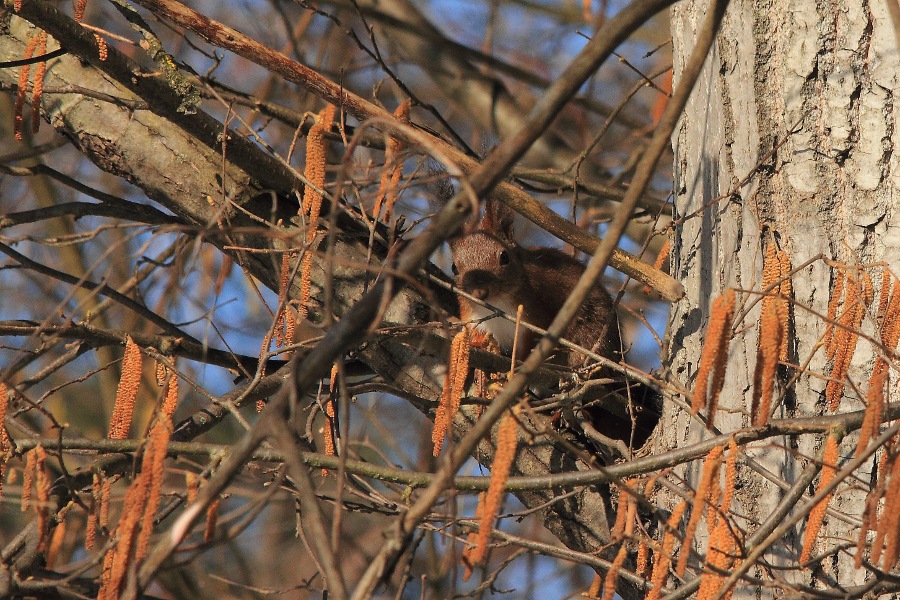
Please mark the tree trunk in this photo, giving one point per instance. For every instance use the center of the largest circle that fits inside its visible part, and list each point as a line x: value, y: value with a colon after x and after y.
x: 788, y: 140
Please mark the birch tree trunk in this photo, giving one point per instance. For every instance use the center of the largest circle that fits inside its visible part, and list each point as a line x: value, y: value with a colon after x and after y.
x: 789, y: 139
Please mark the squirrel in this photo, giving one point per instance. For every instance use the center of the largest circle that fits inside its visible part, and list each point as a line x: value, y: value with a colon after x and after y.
x: 490, y: 265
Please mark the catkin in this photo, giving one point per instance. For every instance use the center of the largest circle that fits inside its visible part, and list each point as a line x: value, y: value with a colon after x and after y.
x: 714, y: 357
x: 874, y: 405
x: 503, y: 458
x: 710, y: 472
x: 454, y: 388
x: 783, y: 306
x: 770, y: 334
x: 662, y: 559
x: 5, y: 442
x: 844, y: 344
x: 328, y: 428
x: 126, y: 394
x: 393, y: 169
x: 312, y: 199
x: 612, y: 577
x: 836, y: 293
x: 21, y: 91
x: 817, y: 514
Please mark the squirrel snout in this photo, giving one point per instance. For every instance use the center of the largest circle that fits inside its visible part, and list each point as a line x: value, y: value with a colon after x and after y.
x: 478, y: 283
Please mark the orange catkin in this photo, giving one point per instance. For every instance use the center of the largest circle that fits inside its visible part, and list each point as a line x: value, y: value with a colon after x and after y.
x: 883, y: 472
x: 714, y: 357
x: 135, y: 525
x: 170, y: 402
x: 783, y: 306
x: 24, y: 72
x: 874, y: 405
x: 771, y: 270
x: 720, y: 555
x: 586, y: 11
x: 710, y: 472
x: 90, y: 536
x: 212, y: 516
x: 662, y: 559
x: 890, y: 324
x: 472, y: 538
x: 886, y: 528
x: 281, y: 338
x: 454, y: 388
x: 152, y: 467
x: 817, y: 514
x: 191, y: 487
x: 102, y: 48
x: 884, y: 295
x: 867, y: 289
x: 851, y: 297
x: 662, y: 100
x: 328, y: 427
x: 776, y: 267
x: 713, y: 499
x: 103, y: 505
x: 836, y: 293
x: 730, y: 475
x: 844, y: 344
x: 314, y: 172
x: 773, y: 329
x: 28, y: 478
x: 328, y: 433
x: 59, y: 534
x: 770, y: 334
x: 612, y: 577
x: 160, y: 373
x: 870, y: 512
x: 79, y: 10
x: 126, y: 394
x: 643, y: 553
x: 5, y: 442
x: 115, y: 564
x: 889, y: 525
x: 507, y: 440
x: 618, y: 529
x: 315, y: 167
x: 393, y: 169
x: 42, y: 486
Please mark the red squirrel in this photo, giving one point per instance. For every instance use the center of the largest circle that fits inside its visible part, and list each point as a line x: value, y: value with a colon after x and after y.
x: 491, y: 266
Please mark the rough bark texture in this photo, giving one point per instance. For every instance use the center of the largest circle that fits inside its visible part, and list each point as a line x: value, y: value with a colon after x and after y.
x: 816, y: 81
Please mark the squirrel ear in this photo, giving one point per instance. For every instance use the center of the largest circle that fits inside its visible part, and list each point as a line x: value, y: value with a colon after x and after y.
x: 497, y: 219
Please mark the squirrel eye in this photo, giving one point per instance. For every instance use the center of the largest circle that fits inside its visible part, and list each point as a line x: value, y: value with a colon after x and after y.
x: 504, y: 258
x: 454, y: 269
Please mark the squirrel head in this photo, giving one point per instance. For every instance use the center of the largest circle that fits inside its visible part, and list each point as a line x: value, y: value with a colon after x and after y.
x: 487, y: 263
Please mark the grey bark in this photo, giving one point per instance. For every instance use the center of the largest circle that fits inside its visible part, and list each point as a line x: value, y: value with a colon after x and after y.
x: 818, y: 79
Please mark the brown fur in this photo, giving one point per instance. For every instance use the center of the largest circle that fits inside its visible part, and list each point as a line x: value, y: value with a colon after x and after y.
x: 538, y: 278
x: 491, y: 266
